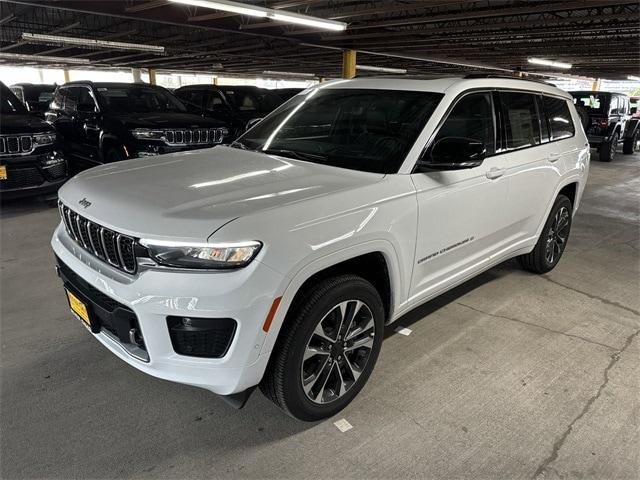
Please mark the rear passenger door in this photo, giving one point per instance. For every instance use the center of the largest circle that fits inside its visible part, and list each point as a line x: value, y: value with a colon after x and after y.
x: 533, y: 159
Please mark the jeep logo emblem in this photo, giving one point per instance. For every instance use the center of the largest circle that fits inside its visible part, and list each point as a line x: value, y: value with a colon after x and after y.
x: 84, y: 202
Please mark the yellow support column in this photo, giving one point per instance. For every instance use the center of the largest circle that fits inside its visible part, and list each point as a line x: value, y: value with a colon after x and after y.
x: 348, y: 63
x: 214, y: 80
x: 152, y: 76
x: 595, y: 86
x: 66, y: 75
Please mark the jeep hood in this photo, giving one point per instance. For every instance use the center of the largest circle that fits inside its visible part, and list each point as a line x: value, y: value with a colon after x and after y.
x: 190, y: 195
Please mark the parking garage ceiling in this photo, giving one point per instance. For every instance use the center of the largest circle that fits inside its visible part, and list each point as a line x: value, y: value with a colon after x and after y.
x: 599, y: 38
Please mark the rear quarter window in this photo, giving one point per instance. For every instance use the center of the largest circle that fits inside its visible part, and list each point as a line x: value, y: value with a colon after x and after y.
x: 559, y: 116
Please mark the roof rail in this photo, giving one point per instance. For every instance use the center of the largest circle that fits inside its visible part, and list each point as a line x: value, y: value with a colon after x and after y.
x: 497, y: 75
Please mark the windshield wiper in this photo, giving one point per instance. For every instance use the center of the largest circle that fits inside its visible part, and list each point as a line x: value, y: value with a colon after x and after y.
x: 312, y: 157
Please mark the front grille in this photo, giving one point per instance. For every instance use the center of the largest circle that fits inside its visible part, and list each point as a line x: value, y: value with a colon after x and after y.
x: 22, y: 178
x: 14, y: 144
x: 201, y: 337
x: 113, y: 247
x: 198, y: 136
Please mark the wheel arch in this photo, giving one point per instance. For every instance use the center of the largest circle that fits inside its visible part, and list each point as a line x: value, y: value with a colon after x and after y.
x: 376, y: 262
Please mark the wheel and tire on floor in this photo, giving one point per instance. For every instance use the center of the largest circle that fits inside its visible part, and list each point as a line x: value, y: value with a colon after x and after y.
x: 553, y: 239
x: 630, y: 145
x: 328, y: 347
x: 608, y: 150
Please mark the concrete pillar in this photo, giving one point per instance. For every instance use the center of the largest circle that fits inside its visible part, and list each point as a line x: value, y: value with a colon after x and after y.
x: 214, y: 80
x: 137, y: 75
x: 66, y: 75
x: 348, y: 63
x: 595, y: 86
x: 152, y: 76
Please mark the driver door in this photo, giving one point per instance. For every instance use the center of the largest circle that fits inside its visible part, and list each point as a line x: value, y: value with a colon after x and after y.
x: 461, y: 213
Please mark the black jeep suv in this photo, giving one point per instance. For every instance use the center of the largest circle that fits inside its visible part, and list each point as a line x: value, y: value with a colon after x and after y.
x: 240, y: 106
x: 107, y: 122
x: 31, y: 162
x: 605, y: 120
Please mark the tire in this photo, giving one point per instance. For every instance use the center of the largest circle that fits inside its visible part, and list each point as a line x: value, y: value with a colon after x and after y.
x: 326, y: 381
x: 113, y: 155
x: 541, y: 259
x: 608, y: 150
x: 630, y: 145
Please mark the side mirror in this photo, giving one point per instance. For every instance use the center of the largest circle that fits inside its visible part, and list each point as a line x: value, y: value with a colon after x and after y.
x: 86, y: 107
x: 454, y: 153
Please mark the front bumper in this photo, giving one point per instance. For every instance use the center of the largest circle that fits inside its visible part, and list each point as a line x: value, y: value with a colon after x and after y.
x: 29, y: 174
x: 244, y: 295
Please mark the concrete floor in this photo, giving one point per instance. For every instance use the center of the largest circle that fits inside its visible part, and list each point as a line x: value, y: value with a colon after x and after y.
x: 510, y: 376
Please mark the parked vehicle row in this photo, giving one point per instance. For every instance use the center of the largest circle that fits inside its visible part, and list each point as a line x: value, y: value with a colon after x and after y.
x: 96, y: 123
x: 277, y: 261
x: 609, y: 120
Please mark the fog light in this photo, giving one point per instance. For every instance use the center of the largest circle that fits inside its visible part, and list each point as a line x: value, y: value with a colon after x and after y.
x: 201, y: 337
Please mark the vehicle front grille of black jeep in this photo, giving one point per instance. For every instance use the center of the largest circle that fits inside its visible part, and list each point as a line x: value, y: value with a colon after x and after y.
x: 21, y: 178
x: 115, y: 248
x: 197, y: 136
x: 15, y: 144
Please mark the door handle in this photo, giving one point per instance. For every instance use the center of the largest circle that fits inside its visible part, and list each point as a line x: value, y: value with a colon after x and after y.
x: 494, y: 173
x: 554, y: 157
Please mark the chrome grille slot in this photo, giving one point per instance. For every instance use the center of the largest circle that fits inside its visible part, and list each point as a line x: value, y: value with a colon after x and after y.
x: 115, y: 248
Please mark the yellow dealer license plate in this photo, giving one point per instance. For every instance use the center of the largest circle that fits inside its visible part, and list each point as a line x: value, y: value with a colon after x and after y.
x: 78, y: 307
x: 3, y: 172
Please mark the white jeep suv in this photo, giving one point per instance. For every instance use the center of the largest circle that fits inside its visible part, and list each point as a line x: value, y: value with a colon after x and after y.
x: 278, y: 261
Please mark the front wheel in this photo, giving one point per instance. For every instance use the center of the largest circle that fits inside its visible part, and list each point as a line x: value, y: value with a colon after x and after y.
x: 327, y: 349
x: 630, y: 145
x: 553, y: 239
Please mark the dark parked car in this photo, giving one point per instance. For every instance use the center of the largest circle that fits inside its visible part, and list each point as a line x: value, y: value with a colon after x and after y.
x: 241, y: 107
x: 36, y: 97
x: 608, y: 123
x: 107, y: 122
x: 30, y: 160
x: 286, y: 93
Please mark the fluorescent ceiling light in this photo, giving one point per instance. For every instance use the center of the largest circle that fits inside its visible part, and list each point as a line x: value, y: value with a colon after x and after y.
x: 633, y: 77
x: 42, y: 58
x: 254, y: 11
x: 549, y: 63
x: 289, y: 74
x: 89, y: 43
x: 371, y: 68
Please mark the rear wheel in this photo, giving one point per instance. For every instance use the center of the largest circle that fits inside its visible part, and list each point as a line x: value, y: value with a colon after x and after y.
x: 553, y: 239
x: 328, y: 348
x: 630, y: 145
x: 608, y: 150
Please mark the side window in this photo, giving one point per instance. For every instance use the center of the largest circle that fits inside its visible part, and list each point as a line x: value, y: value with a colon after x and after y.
x: 17, y: 91
x: 71, y: 99
x: 213, y: 101
x: 471, y: 117
x: 193, y: 99
x: 84, y: 97
x: 559, y: 116
x: 613, y: 107
x: 521, y: 120
x: 58, y: 99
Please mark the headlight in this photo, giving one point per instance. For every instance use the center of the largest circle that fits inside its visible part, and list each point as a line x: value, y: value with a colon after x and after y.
x: 44, y: 139
x: 147, y: 134
x: 202, y: 255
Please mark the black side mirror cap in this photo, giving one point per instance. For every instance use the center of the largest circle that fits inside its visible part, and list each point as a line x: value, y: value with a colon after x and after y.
x: 453, y: 153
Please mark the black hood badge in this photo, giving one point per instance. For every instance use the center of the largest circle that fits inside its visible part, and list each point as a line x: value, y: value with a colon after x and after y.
x: 85, y: 203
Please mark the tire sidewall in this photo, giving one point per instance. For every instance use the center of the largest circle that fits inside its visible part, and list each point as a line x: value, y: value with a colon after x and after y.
x: 295, y: 398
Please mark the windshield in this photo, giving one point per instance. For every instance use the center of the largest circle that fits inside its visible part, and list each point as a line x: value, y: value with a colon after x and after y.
x: 9, y: 103
x: 359, y: 129
x: 138, y: 99
x: 593, y: 102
